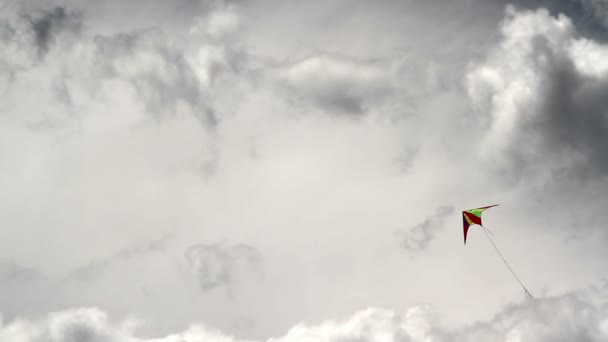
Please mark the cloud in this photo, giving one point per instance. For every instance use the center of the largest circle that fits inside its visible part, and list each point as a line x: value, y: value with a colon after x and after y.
x: 588, y: 16
x: 95, y: 268
x: 569, y: 317
x: 216, y: 265
x: 50, y: 23
x: 420, y: 236
x: 598, y: 9
x: 144, y: 118
x: 116, y: 130
x: 338, y: 85
x: 143, y: 72
x: 13, y: 272
x: 30, y: 35
x: 542, y: 87
x: 219, y: 24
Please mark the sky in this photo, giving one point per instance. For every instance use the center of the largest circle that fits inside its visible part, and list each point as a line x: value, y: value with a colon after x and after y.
x: 296, y: 171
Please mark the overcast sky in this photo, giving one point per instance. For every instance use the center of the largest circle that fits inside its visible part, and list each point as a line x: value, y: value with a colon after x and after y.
x: 279, y: 170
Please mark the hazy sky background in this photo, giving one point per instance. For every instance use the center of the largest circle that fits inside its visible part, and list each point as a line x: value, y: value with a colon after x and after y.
x: 296, y: 170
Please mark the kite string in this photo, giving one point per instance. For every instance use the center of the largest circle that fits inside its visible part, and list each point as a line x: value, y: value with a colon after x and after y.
x: 505, y: 261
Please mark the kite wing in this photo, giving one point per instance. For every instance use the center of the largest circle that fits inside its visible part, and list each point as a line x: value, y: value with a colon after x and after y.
x: 471, y: 217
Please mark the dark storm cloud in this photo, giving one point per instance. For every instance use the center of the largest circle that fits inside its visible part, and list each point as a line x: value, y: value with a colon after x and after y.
x: 420, y: 236
x: 216, y: 265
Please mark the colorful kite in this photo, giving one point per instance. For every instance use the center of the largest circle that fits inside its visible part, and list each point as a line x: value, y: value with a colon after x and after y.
x: 471, y: 217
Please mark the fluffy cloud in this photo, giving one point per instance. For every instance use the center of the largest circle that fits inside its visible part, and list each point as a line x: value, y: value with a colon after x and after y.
x: 569, y: 317
x: 191, y: 117
x: 141, y: 73
x: 100, y: 99
x: 542, y: 87
x: 108, y: 126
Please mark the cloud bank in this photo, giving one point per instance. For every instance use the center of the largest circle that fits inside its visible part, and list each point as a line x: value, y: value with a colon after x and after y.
x: 305, y: 134
x: 569, y: 317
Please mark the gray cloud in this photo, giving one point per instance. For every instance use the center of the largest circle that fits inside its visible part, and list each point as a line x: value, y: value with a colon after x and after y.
x: 420, y: 236
x: 94, y: 269
x: 164, y: 76
x: 589, y: 16
x: 50, y: 23
x: 159, y: 73
x: 39, y: 29
x: 216, y: 265
x: 570, y: 317
x: 338, y: 85
x: 13, y: 272
x: 573, y: 115
x: 595, y: 13
x: 549, y: 103
x: 123, y: 111
x: 24, y: 290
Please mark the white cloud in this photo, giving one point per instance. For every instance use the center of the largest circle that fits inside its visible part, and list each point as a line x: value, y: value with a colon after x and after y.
x: 121, y: 132
x: 338, y: 85
x: 508, y: 84
x: 222, y: 23
x: 570, y: 317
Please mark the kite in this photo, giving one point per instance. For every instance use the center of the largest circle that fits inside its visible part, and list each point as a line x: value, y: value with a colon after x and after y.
x: 473, y: 217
